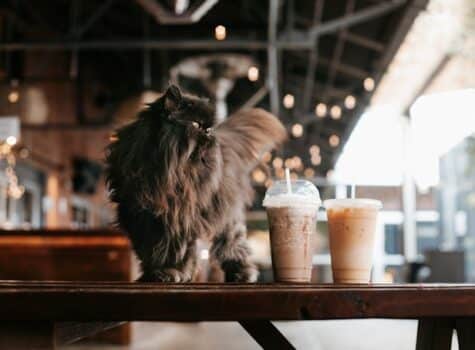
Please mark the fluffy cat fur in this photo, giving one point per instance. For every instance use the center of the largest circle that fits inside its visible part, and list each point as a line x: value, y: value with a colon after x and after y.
x: 177, y: 177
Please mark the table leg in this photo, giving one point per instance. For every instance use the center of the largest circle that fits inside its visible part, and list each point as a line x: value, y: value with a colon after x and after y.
x: 266, y: 335
x: 465, y: 333
x: 25, y: 335
x: 435, y: 333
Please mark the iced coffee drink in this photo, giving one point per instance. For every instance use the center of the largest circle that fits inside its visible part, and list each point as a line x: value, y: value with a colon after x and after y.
x: 351, y: 228
x: 292, y: 223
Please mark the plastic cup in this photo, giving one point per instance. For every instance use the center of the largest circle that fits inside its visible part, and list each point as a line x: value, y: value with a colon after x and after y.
x: 292, y: 222
x: 351, y: 227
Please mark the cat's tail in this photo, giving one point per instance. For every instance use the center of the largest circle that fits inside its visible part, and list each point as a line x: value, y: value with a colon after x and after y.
x: 249, y: 133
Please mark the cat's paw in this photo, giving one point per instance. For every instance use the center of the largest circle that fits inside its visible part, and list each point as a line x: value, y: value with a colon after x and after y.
x: 240, y: 272
x: 170, y: 276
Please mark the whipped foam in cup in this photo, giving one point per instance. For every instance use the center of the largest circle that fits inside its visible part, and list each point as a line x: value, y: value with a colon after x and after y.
x: 292, y: 222
x: 351, y: 228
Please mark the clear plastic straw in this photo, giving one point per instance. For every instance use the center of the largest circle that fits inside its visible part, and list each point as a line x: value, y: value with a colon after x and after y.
x: 353, y: 191
x: 287, y: 178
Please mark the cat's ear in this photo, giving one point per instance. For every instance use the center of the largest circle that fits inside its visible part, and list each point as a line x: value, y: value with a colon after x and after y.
x: 172, y: 98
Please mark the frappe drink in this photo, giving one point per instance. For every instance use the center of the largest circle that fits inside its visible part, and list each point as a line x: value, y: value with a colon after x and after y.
x: 351, y: 228
x: 292, y: 221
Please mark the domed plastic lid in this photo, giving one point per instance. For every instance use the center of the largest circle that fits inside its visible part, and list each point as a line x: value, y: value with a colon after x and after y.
x: 303, y: 194
x: 352, y: 203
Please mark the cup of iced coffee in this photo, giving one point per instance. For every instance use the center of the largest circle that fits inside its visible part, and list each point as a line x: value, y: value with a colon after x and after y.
x: 292, y: 208
x: 351, y: 229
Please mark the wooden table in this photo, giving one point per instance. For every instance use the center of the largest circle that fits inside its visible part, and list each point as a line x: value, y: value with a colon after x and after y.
x: 39, y: 315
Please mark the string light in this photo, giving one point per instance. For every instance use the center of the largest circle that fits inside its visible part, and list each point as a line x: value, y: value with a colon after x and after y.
x: 277, y: 163
x: 266, y: 157
x: 259, y: 176
x: 280, y: 173
x: 297, y: 163
x: 368, y: 84
x: 24, y: 153
x: 330, y: 174
x: 253, y: 73
x: 288, y: 101
x: 293, y: 175
x: 335, y: 112
x: 220, y: 32
x: 297, y: 130
x: 334, y: 140
x: 314, y: 150
x: 321, y: 110
x: 289, y: 163
x: 316, y: 159
x: 350, y: 102
x: 309, y: 173
x: 11, y: 140
x: 268, y: 183
x: 13, y: 96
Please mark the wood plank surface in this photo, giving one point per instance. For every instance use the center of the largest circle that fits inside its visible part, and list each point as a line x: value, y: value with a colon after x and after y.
x: 118, y: 301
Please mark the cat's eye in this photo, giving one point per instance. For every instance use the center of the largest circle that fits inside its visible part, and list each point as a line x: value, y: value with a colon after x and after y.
x: 196, y: 125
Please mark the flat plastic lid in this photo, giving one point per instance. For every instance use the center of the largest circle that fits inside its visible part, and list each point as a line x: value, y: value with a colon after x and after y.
x: 304, y: 194
x: 352, y: 203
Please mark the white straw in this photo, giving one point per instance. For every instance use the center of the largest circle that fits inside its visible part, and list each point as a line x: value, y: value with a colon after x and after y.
x: 353, y: 191
x: 287, y: 177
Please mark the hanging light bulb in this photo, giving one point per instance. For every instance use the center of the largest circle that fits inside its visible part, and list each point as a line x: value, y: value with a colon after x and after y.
x: 259, y: 176
x: 316, y: 159
x: 11, y: 140
x: 297, y: 163
x: 314, y: 150
x: 13, y: 96
x: 368, y: 84
x: 277, y: 163
x: 309, y: 173
x: 266, y: 157
x: 24, y: 153
x: 220, y: 32
x: 288, y: 101
x: 280, y: 173
x: 297, y: 130
x: 334, y: 140
x: 350, y: 102
x: 335, y: 112
x: 253, y: 73
x: 289, y: 163
x: 321, y: 110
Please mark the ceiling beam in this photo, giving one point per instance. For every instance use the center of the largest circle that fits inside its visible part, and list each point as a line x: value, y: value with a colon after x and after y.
x: 312, y: 60
x: 338, y: 50
x: 272, y: 57
x: 358, y: 17
x: 364, y: 42
x: 184, y: 44
x: 100, y: 11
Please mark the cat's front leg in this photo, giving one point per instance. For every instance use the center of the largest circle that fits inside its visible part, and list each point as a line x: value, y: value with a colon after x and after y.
x: 176, y: 268
x: 231, y: 250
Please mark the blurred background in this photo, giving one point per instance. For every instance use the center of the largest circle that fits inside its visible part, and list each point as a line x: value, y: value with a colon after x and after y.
x: 376, y: 93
